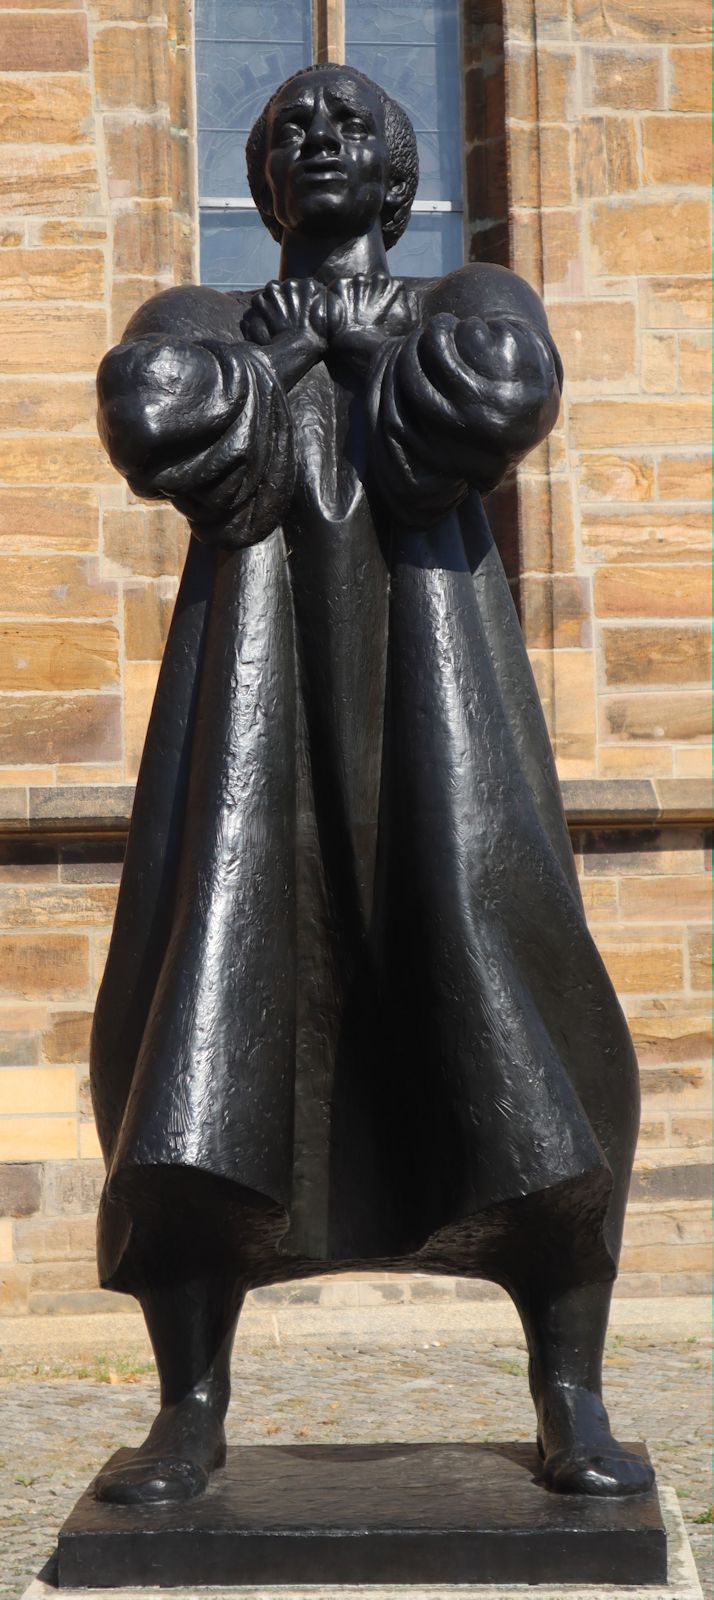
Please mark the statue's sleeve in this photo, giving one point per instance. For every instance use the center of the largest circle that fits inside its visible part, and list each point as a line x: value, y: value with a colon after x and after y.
x: 456, y: 403
x: 199, y: 417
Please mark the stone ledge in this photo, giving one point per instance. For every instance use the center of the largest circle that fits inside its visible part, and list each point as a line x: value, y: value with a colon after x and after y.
x: 104, y: 809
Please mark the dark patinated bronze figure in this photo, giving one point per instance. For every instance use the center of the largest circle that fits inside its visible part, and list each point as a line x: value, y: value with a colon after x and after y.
x: 352, y: 1014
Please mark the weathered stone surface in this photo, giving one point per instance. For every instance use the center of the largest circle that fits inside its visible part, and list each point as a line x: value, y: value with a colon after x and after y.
x: 51, y: 274
x: 55, y: 586
x: 67, y: 1039
x: 632, y: 422
x: 643, y: 592
x: 32, y: 339
x: 42, y: 655
x: 637, y: 235
x: 131, y: 67
x: 616, y: 477
x: 20, y: 1188
x: 676, y: 149
x: 624, y: 80
x: 44, y: 182
x: 659, y: 716
x: 66, y: 519
x: 147, y: 614
x: 43, y: 43
x: 72, y: 1189
x: 629, y: 537
x: 46, y: 110
x: 690, y: 79
x: 683, y: 21
x: 675, y: 655
x: 54, y: 728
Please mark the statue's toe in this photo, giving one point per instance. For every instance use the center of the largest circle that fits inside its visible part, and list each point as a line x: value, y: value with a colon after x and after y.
x: 612, y: 1473
x: 147, y: 1480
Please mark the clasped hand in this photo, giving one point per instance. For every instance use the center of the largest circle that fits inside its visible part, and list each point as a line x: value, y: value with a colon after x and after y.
x: 352, y: 316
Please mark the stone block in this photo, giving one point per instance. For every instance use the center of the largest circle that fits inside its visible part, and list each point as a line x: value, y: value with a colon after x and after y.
x: 67, y: 338
x: 695, y: 363
x: 20, y: 1188
x: 665, y: 1037
x: 691, y: 1131
x: 46, y: 965
x: 574, y: 693
x: 623, y: 80
x: 39, y: 405
x: 610, y: 423
x: 642, y: 962
x: 130, y: 67
x: 658, y: 716
x: 110, y: 803
x: 666, y: 899
x: 42, y: 42
x: 683, y: 21
x: 142, y: 240
x: 60, y: 728
x: 633, y: 536
x: 137, y: 159
x: 74, y: 1302
x: 140, y: 685
x: 51, y: 274
x: 46, y: 110
x: 675, y: 655
x: 72, y: 1189
x: 59, y: 1277
x: 47, y: 182
x: 556, y: 612
x: 147, y: 614
x: 643, y: 592
x: 522, y: 84
x: 659, y: 363
x: 66, y: 519
x: 690, y: 79
x: 616, y: 477
x: 635, y: 236
x: 676, y: 150
x: 65, y: 656
x: 590, y: 161
x: 67, y: 1039
x: 72, y: 906
x: 563, y: 266
x: 89, y: 1146
x: 37, y: 1138
x: 55, y: 586
x: 53, y: 458
x: 596, y: 339
x: 14, y: 1290
x: 675, y: 302
x: 18, y: 1049
x: 25, y: 1090
x: 148, y: 543
x: 700, y: 960
x: 621, y: 155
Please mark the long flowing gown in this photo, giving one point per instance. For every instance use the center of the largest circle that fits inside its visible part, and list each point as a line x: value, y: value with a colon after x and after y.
x: 352, y: 1013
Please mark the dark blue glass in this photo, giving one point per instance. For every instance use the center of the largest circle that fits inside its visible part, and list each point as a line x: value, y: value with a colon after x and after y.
x: 432, y: 246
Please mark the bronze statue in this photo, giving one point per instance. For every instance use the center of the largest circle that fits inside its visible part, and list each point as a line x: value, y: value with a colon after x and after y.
x: 352, y: 1015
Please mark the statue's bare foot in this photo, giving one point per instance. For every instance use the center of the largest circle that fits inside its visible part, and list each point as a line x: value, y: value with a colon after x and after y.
x: 579, y: 1453
x: 185, y: 1444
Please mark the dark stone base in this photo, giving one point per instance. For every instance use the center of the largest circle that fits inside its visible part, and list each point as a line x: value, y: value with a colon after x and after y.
x: 380, y: 1514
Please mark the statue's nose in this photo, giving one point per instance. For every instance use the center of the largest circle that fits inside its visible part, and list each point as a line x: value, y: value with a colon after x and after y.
x: 321, y: 134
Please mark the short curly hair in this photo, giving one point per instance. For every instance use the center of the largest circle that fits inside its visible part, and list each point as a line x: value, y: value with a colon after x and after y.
x: 401, y: 143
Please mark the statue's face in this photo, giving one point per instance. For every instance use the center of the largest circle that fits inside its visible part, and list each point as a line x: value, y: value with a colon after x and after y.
x: 328, y: 161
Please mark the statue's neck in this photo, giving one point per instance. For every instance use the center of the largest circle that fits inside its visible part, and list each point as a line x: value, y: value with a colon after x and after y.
x: 333, y: 258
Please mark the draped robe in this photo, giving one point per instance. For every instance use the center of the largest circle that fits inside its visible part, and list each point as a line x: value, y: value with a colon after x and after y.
x: 351, y: 1012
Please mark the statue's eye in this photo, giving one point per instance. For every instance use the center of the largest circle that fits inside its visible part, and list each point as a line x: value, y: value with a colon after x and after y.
x: 290, y: 133
x: 355, y: 128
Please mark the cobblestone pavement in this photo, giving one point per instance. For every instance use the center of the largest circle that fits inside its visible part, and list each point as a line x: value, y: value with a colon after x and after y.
x: 59, y: 1428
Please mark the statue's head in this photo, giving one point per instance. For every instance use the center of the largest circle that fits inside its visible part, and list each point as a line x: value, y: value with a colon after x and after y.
x: 330, y: 154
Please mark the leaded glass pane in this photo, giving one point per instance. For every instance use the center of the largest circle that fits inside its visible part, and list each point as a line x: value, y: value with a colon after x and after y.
x: 237, y: 252
x: 432, y: 246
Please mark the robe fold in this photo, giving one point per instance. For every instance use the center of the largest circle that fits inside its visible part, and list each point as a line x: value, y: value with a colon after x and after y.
x: 352, y: 1014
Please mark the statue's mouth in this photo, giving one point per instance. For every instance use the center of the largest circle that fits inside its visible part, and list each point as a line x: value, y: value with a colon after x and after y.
x: 323, y: 169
